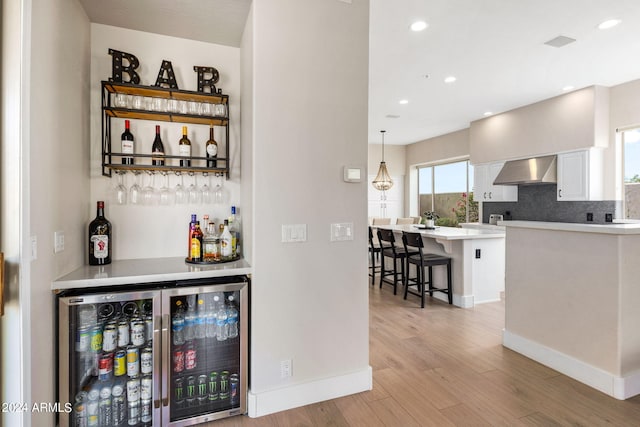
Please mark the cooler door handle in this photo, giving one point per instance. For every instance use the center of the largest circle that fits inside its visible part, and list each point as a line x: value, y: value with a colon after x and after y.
x: 165, y: 360
x: 157, y: 350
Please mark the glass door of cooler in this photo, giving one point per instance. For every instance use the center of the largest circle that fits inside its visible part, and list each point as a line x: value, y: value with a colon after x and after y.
x: 109, y: 358
x: 204, y: 335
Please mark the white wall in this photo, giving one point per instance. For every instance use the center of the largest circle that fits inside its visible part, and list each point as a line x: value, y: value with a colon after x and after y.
x: 246, y: 125
x: 624, y: 113
x: 309, y: 300
x: 58, y: 152
x: 159, y: 231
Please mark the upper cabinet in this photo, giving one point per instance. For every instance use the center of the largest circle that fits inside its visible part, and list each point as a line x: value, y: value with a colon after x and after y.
x: 580, y: 175
x: 485, y: 191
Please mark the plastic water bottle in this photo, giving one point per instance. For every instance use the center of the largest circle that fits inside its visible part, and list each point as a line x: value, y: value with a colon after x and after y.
x: 177, y: 325
x: 222, y: 328
x: 200, y: 321
x: 190, y: 321
x: 210, y: 320
x: 232, y: 318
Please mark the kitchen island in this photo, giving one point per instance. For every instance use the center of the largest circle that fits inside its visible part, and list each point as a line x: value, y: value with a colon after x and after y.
x: 477, y: 261
x: 572, y: 300
x: 150, y: 270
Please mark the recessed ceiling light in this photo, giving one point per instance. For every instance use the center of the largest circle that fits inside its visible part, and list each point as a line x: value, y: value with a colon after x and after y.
x: 450, y: 79
x: 610, y: 23
x: 419, y: 26
x: 487, y: 113
x: 403, y: 101
x: 567, y: 88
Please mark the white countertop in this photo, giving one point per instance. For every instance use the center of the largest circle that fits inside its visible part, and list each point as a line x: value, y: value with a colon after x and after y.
x: 449, y: 233
x: 612, y: 228
x: 133, y: 271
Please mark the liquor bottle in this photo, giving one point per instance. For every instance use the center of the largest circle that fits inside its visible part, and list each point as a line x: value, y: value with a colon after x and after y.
x: 226, y: 241
x: 127, y: 144
x: 157, y: 149
x: 212, y: 150
x: 234, y: 228
x: 196, y: 243
x: 192, y: 226
x: 100, y: 238
x: 184, y: 148
x: 209, y: 243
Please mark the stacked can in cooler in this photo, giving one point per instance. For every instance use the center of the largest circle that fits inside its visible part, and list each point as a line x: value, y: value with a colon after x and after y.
x: 115, y: 364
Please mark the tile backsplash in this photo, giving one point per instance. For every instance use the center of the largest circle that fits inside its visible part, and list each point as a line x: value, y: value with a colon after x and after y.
x: 538, y: 203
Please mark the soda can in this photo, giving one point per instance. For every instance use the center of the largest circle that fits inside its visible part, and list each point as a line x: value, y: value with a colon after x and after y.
x: 224, y: 385
x: 138, y: 335
x: 202, y: 390
x: 213, y: 386
x: 133, y: 389
x: 109, y: 338
x: 146, y: 387
x: 145, y: 411
x: 105, y: 366
x: 148, y: 323
x: 80, y: 414
x: 123, y: 333
x: 120, y: 363
x: 178, y: 392
x: 118, y: 405
x: 146, y: 360
x: 190, y: 357
x: 96, y: 338
x: 178, y: 360
x: 133, y: 361
x: 83, y: 339
x: 133, y: 413
x: 191, y: 390
x: 234, y: 385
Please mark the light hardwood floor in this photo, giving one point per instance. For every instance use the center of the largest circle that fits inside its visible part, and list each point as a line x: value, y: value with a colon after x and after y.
x: 445, y: 366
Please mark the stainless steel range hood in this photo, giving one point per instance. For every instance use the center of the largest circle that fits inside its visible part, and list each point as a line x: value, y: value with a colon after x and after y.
x: 538, y: 170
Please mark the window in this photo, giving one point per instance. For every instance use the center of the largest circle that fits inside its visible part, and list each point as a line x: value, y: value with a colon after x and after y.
x: 447, y: 190
x: 631, y: 173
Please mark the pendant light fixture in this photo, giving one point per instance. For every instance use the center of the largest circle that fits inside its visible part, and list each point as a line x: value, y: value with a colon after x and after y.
x: 382, y: 180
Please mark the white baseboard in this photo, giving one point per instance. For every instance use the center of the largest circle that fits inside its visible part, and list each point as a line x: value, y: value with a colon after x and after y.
x: 265, y: 403
x: 618, y: 387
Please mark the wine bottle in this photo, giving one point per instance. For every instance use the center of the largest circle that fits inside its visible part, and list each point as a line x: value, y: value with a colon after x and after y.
x: 127, y: 144
x: 100, y: 238
x: 212, y: 150
x: 184, y: 148
x: 157, y: 149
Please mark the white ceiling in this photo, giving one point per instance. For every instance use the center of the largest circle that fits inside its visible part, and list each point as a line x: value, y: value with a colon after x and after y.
x: 495, y: 49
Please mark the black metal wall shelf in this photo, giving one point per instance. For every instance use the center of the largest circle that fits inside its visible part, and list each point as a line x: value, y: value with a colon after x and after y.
x: 111, y: 160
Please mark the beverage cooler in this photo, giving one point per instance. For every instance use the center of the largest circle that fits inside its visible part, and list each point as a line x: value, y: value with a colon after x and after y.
x: 171, y: 355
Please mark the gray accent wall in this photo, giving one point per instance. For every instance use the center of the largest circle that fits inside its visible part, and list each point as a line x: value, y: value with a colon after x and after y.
x: 538, y: 203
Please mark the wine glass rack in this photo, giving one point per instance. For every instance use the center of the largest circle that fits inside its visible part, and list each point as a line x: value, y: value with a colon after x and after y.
x: 111, y: 160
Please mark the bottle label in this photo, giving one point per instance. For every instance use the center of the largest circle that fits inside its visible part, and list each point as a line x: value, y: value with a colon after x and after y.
x: 185, y: 150
x: 127, y: 146
x: 212, y: 150
x: 100, y: 246
x: 195, y: 248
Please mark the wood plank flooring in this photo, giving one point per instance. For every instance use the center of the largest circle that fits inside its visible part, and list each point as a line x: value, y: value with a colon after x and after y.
x: 445, y: 366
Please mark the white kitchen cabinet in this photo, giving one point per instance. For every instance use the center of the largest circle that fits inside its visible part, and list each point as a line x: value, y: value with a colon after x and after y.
x: 580, y: 175
x: 485, y: 191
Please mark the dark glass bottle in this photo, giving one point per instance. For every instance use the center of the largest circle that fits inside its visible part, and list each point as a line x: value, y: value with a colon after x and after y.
x: 157, y: 149
x: 196, y: 243
x: 127, y: 144
x: 184, y: 148
x: 100, y: 238
x: 212, y: 150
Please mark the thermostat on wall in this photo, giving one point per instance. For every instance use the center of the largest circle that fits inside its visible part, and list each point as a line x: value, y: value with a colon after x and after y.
x: 352, y: 174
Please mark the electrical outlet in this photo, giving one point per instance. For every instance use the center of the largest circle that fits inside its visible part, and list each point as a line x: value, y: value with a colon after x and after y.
x: 589, y: 216
x: 285, y: 368
x: 58, y: 242
x: 478, y: 253
x: 608, y: 217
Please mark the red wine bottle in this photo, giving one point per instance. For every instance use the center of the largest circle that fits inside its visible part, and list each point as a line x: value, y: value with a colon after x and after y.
x: 100, y: 238
x: 127, y: 144
x: 184, y: 148
x: 157, y: 149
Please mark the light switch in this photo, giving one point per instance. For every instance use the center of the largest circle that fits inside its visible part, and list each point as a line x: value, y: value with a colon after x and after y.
x: 58, y: 241
x: 341, y: 231
x: 293, y: 233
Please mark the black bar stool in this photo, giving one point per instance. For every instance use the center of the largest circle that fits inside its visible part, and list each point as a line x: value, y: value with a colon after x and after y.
x: 413, y: 246
x: 374, y: 252
x: 390, y: 250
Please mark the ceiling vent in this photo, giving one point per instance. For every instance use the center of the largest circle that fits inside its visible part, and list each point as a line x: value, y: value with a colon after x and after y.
x: 560, y: 41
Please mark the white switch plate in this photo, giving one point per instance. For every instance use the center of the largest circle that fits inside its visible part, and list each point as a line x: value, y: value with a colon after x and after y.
x: 293, y: 233
x: 341, y: 232
x: 285, y: 368
x: 58, y: 241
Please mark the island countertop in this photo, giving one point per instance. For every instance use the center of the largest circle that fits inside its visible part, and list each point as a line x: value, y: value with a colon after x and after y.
x: 448, y: 233
x: 610, y: 228
x: 151, y: 270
